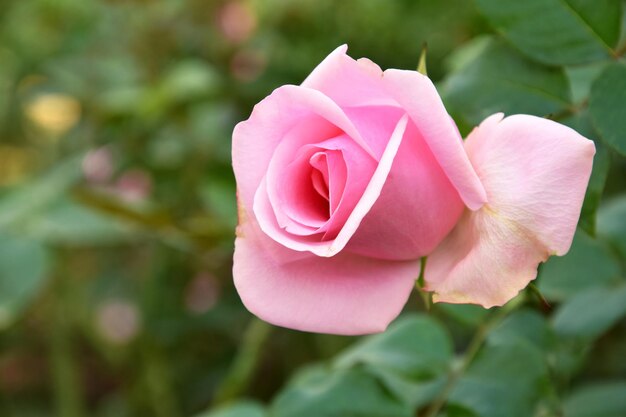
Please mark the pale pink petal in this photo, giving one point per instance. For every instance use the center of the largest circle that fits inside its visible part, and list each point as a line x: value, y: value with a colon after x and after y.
x: 346, y: 294
x: 255, y: 139
x: 417, y: 95
x: 349, y: 82
x: 535, y: 173
x: 430, y: 206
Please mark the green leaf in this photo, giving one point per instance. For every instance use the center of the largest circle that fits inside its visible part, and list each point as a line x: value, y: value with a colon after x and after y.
x: 581, y: 122
x: 416, y: 393
x: 588, y: 264
x: 190, y: 79
x: 592, y: 312
x: 468, y: 314
x: 523, y: 326
x: 557, y: 32
x: 23, y: 266
x: 411, y: 358
x: 599, y: 400
x: 582, y: 77
x: 611, y: 224
x: 499, y: 79
x: 505, y: 380
x: 599, y: 174
x: 606, y: 106
x: 68, y: 223
x: 319, y: 392
x: 37, y: 194
x: 238, y: 409
x: 414, y: 346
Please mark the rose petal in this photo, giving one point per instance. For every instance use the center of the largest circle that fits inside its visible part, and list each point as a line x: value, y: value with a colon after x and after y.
x: 346, y: 294
x: 349, y: 82
x: 289, y: 184
x: 263, y: 208
x: 430, y: 206
x: 417, y: 95
x: 255, y: 139
x: 375, y: 123
x: 535, y: 173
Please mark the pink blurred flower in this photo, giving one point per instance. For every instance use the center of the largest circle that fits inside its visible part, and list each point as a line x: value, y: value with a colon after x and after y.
x: 134, y: 185
x: 118, y: 321
x: 237, y: 21
x: 98, y: 165
x: 202, y: 293
x: 247, y: 65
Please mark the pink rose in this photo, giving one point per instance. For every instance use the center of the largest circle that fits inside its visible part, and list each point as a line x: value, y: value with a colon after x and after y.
x: 347, y: 180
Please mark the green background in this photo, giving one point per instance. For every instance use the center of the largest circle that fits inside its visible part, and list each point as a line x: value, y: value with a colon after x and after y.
x: 117, y: 212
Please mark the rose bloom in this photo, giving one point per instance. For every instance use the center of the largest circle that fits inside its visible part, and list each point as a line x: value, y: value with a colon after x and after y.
x: 347, y: 180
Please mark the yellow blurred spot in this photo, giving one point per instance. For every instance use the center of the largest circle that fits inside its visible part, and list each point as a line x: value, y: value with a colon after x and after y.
x: 54, y: 113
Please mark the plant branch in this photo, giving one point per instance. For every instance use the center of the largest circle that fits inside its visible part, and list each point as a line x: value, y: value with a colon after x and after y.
x: 467, y: 358
x: 620, y: 51
x: 65, y: 373
x: 245, y: 363
x: 155, y: 222
x: 570, y: 111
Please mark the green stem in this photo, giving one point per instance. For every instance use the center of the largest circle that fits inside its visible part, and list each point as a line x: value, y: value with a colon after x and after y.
x: 158, y: 382
x: 426, y: 296
x: 245, y: 363
x: 466, y: 359
x: 620, y: 51
x: 155, y: 222
x: 156, y: 365
x: 570, y: 111
x: 65, y: 373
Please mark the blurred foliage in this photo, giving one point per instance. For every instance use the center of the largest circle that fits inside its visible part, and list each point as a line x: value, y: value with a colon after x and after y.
x: 117, y: 211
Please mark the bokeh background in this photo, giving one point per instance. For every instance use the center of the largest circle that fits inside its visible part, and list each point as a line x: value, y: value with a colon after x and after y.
x: 117, y: 217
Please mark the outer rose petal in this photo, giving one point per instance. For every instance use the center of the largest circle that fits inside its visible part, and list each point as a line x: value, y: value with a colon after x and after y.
x: 417, y: 95
x: 346, y: 294
x: 535, y: 172
x: 429, y: 210
x: 349, y: 82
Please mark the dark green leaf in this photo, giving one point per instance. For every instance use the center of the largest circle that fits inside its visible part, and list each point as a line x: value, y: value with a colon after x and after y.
x: 582, y: 77
x: 468, y: 314
x: 415, y: 346
x: 505, y: 380
x: 581, y: 122
x: 592, y: 312
x: 318, y: 392
x: 499, y: 79
x: 557, y: 32
x: 23, y: 265
x: 588, y: 264
x: 601, y: 165
x: 411, y: 358
x: 523, y: 326
x: 68, y: 223
x: 238, y: 409
x: 611, y: 224
x: 606, y: 106
x: 600, y: 400
x: 37, y: 194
